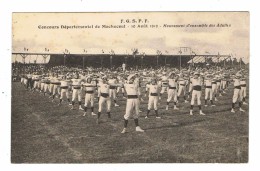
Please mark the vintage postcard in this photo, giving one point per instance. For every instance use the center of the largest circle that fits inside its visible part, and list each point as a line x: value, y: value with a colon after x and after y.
x: 130, y: 87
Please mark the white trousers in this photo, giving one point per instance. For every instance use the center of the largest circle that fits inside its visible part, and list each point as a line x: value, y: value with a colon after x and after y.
x: 76, y: 94
x: 46, y: 86
x: 172, y: 94
x: 208, y: 93
x: 243, y: 92
x: 42, y: 86
x: 153, y: 101
x: 196, y: 95
x: 102, y: 101
x: 181, y: 90
x: 131, y: 105
x: 89, y: 99
x: 51, y: 88
x: 214, y: 88
x: 224, y: 84
x: 25, y: 81
x: 35, y: 85
x: 218, y: 86
x: 237, y: 95
x: 56, y: 89
x: 112, y: 93
x: 64, y: 93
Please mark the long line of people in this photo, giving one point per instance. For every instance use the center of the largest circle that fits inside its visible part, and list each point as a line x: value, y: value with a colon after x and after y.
x: 134, y: 85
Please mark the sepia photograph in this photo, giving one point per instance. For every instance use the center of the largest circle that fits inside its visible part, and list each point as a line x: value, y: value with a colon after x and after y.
x: 130, y: 87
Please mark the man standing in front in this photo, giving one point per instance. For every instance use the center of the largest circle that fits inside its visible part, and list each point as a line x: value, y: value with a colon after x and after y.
x: 132, y: 104
x: 196, y: 92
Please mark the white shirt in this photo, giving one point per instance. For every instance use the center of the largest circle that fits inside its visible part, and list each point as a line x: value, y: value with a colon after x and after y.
x: 90, y: 88
x: 29, y: 76
x: 164, y: 78
x: 54, y: 80
x: 196, y: 82
x: 112, y: 81
x: 82, y: 76
x: 76, y: 82
x: 100, y: 82
x: 208, y: 82
x: 172, y: 83
x: 104, y: 88
x: 153, y: 88
x: 242, y: 82
x: 181, y: 81
x: 236, y: 82
x: 64, y: 83
x: 35, y: 77
x: 131, y: 89
x: 45, y: 79
x: 121, y: 80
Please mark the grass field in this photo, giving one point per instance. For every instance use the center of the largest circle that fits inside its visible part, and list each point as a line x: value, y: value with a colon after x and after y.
x: 43, y: 132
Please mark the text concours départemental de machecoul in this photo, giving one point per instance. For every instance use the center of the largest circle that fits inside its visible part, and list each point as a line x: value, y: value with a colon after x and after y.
x: 80, y: 26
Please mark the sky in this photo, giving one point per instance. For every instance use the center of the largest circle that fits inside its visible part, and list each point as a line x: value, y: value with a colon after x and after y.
x: 234, y: 39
